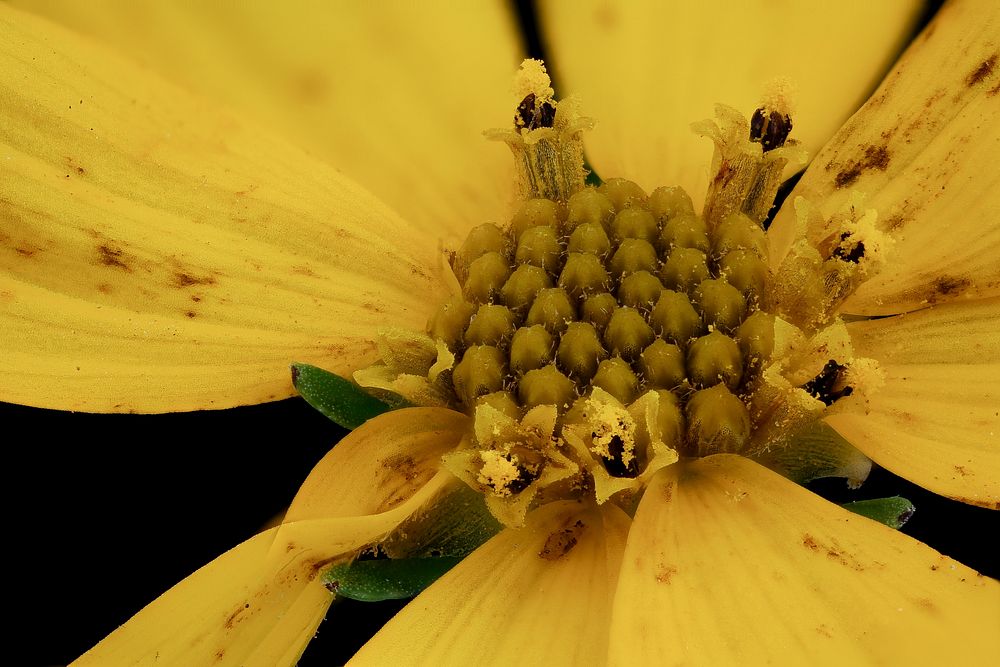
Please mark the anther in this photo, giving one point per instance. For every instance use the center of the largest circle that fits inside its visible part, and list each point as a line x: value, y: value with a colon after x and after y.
x: 770, y: 128
x: 847, y: 251
x: 531, y: 115
x: 825, y: 385
x: 615, y: 463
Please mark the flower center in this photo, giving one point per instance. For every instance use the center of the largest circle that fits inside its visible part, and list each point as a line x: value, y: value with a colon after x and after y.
x: 602, y: 332
x: 620, y: 291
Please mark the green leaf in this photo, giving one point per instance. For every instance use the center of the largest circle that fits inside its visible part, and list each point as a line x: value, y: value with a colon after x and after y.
x: 455, y: 524
x: 341, y: 400
x: 385, y: 579
x: 893, y: 512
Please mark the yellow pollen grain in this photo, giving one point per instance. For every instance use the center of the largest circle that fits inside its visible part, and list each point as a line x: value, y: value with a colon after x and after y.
x: 498, y: 471
x: 533, y: 79
x: 610, y: 422
x: 779, y: 95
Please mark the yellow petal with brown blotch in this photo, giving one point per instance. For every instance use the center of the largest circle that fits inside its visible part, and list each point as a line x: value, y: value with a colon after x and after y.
x: 728, y: 563
x: 924, y: 151
x: 647, y: 69
x: 936, y: 420
x: 539, y: 594
x: 159, y: 254
x: 260, y: 603
x: 389, y: 458
x: 395, y: 95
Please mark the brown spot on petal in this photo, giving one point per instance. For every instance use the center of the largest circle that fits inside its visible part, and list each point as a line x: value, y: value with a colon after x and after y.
x: 950, y: 285
x: 185, y: 279
x: 562, y: 541
x: 982, y: 71
x: 874, y: 157
x: 108, y: 255
x: 234, y: 617
x: 665, y: 573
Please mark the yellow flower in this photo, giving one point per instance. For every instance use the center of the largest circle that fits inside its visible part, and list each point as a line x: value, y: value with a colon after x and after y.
x: 162, y: 252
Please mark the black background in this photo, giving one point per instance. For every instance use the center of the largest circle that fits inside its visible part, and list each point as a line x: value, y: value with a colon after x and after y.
x: 104, y: 512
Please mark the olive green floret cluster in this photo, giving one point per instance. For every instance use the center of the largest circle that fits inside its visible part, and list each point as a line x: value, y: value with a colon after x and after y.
x: 613, y: 289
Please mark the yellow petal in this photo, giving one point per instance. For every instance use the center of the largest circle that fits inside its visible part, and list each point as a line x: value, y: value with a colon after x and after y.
x: 257, y: 604
x: 388, y: 459
x: 647, y: 70
x: 729, y: 563
x: 396, y: 96
x: 159, y: 254
x: 935, y: 421
x: 539, y: 594
x: 924, y: 150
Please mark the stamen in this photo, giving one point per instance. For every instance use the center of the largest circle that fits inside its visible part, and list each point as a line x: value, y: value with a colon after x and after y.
x: 823, y: 386
x: 531, y: 114
x: 770, y: 128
